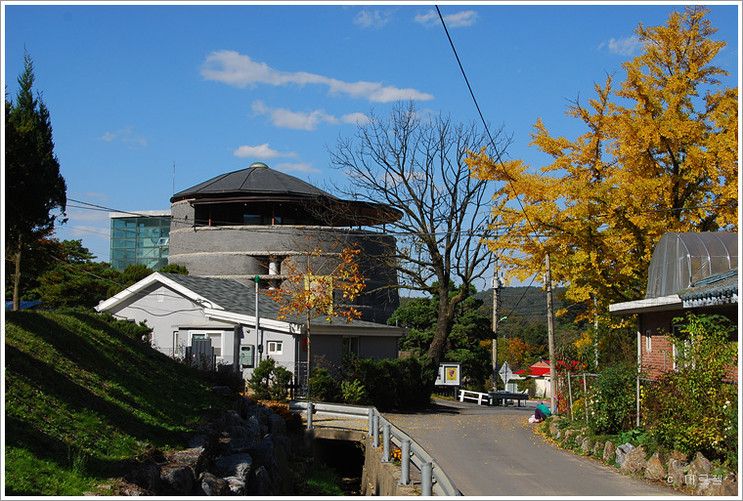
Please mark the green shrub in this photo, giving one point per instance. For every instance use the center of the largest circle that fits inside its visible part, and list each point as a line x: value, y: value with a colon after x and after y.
x: 353, y: 392
x: 269, y: 381
x: 394, y: 383
x: 693, y: 409
x: 323, y: 386
x: 612, y: 403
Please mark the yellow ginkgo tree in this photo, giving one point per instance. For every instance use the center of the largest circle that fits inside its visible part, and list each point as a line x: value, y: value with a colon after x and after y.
x: 659, y: 154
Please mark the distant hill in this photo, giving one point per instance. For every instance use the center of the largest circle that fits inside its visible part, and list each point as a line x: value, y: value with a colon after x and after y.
x: 522, y: 301
x: 84, y: 396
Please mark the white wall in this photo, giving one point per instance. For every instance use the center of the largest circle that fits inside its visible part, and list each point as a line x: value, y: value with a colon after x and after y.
x: 167, y: 311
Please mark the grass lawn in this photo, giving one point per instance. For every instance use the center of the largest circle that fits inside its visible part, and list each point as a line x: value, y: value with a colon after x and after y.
x: 85, y: 396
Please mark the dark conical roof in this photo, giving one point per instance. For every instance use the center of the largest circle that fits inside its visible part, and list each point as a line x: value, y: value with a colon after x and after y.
x: 255, y: 180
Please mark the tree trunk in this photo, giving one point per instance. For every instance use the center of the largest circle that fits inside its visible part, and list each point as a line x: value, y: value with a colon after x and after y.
x: 445, y: 318
x: 17, y: 276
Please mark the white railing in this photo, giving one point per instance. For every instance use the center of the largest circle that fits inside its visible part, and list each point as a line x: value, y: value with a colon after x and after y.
x: 433, y: 478
x: 475, y: 396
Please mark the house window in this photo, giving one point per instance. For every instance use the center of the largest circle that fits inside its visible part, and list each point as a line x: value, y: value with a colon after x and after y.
x: 275, y: 347
x: 351, y: 345
x: 648, y: 342
x: 215, y: 337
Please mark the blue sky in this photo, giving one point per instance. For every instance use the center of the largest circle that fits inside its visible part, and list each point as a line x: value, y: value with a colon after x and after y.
x: 135, y: 89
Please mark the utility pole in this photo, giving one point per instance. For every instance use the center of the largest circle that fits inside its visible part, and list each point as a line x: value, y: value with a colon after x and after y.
x: 550, y: 333
x: 258, y: 336
x: 496, y: 313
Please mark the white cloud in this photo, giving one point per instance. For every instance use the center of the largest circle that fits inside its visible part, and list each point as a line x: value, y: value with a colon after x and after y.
x: 95, y: 195
x: 289, y: 119
x: 262, y: 151
x: 86, y: 215
x: 355, y: 118
x: 127, y: 136
x: 238, y: 70
x: 460, y: 19
x: 296, y: 167
x: 627, y: 46
x: 372, y: 18
x: 89, y: 231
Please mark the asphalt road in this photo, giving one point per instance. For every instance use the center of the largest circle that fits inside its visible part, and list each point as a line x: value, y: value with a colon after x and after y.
x: 492, y: 451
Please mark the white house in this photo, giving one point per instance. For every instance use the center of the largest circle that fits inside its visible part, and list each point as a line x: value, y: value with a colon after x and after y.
x: 180, y: 308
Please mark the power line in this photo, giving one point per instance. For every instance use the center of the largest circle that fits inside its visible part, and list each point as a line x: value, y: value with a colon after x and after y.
x: 482, y: 118
x: 497, y: 230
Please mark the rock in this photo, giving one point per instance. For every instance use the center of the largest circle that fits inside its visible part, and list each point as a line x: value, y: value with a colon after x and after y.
x: 709, y: 485
x: 276, y: 425
x: 235, y: 486
x: 700, y: 466
x: 147, y: 475
x: 282, y: 455
x: 232, y: 418
x: 654, y: 469
x: 566, y: 435
x: 622, y: 451
x: 200, y: 440
x: 553, y: 428
x: 129, y: 489
x: 609, y: 454
x: 195, y: 458
x: 730, y: 485
x: 678, y: 456
x: 676, y: 472
x: 598, y: 449
x: 585, y: 445
x: 235, y: 465
x: 246, y: 436
x: 212, y: 485
x: 265, y: 455
x: 634, y: 460
x: 178, y: 479
x: 578, y: 439
x: 260, y: 484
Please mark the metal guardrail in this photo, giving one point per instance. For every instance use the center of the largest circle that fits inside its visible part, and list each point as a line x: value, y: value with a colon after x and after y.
x: 433, y: 478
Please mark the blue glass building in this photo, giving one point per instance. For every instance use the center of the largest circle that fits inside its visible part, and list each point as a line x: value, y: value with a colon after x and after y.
x: 140, y: 238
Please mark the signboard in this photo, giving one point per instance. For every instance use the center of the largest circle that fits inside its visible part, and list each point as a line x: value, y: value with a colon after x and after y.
x: 505, y: 373
x: 449, y: 374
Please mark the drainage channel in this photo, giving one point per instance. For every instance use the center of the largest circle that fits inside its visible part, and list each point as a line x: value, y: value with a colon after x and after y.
x: 346, y: 459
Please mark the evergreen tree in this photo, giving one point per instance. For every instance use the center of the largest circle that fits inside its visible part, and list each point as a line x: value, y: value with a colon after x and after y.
x: 35, y: 190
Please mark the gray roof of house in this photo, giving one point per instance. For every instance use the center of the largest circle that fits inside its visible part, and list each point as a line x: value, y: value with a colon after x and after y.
x: 230, y: 294
x: 258, y: 179
x: 237, y: 297
x: 721, y: 288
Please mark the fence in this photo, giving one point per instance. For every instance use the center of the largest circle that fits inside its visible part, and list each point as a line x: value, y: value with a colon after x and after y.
x: 574, y: 391
x: 433, y: 478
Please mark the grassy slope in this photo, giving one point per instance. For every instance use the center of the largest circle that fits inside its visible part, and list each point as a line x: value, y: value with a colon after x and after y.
x: 84, y: 396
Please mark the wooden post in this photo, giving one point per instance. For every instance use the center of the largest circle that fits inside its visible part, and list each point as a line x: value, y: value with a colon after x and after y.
x: 551, y: 335
x: 585, y: 397
x: 496, y: 313
x: 639, y: 369
x: 570, y: 396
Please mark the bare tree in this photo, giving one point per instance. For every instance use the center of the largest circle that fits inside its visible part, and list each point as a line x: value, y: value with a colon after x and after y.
x: 416, y: 165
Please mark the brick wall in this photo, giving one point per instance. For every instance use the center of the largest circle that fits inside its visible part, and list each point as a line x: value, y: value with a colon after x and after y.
x: 659, y: 358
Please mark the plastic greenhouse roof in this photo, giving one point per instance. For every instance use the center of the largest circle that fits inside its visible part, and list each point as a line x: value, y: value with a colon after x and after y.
x: 681, y: 259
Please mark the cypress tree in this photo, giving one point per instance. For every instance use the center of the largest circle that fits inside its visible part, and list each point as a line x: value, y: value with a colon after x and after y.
x: 35, y: 191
